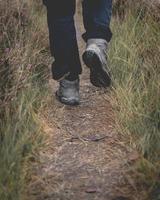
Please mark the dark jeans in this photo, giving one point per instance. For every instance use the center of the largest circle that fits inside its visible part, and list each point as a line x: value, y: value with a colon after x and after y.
x: 62, y: 33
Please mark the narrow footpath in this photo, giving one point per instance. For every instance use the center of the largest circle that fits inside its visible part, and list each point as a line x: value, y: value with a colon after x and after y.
x: 84, y: 158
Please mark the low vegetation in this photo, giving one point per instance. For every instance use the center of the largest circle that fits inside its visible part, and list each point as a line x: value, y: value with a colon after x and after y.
x: 135, y: 61
x: 23, y: 71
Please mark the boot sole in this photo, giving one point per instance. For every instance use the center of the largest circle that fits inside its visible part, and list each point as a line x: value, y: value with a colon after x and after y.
x: 98, y: 75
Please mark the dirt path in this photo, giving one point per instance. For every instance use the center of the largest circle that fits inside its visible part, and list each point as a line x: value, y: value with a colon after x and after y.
x: 84, y: 159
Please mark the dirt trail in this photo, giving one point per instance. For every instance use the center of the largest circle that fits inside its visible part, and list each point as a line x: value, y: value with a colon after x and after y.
x: 85, y: 158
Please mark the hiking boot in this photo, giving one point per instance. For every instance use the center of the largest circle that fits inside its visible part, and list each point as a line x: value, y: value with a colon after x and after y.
x: 95, y: 57
x: 68, y: 92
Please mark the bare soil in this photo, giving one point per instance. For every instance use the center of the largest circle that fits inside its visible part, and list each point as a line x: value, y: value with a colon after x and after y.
x: 84, y: 157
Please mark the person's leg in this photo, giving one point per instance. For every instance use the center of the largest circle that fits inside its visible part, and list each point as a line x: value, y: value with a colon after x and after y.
x: 62, y: 35
x: 63, y: 44
x: 97, y: 17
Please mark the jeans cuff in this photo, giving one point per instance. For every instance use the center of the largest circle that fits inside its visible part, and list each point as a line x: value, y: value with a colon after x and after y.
x: 98, y: 33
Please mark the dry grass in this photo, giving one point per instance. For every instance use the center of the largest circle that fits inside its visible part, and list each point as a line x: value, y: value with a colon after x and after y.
x: 23, y: 70
x: 135, y: 64
x: 149, y: 7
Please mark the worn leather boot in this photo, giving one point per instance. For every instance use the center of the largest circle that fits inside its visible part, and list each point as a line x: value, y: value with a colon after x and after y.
x: 68, y: 92
x: 95, y: 57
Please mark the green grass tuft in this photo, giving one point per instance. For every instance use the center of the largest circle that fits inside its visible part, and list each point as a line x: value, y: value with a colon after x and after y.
x: 23, y: 71
x: 134, y: 59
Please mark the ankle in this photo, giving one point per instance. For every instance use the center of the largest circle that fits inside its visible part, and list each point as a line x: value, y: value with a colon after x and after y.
x: 72, y: 77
